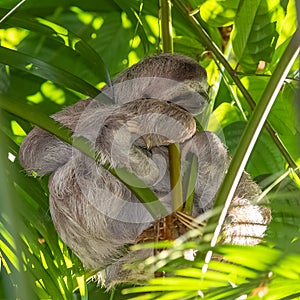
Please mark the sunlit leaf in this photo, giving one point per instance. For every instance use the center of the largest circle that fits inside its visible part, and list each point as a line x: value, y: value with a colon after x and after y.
x: 49, y: 72
x: 54, y: 53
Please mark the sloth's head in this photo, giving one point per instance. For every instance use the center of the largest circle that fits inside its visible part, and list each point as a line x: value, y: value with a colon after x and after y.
x: 171, y: 77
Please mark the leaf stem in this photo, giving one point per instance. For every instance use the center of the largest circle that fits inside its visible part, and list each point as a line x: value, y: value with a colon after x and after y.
x: 175, y: 176
x: 166, y: 25
x: 174, y: 149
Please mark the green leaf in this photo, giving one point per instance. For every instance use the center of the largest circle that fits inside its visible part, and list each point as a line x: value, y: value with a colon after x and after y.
x: 265, y: 158
x: 74, y: 39
x: 71, y: 49
x: 187, y: 45
x: 219, y: 13
x: 224, y: 115
x: 135, y: 19
x: 281, y: 117
x: 254, y: 36
x: 39, y: 68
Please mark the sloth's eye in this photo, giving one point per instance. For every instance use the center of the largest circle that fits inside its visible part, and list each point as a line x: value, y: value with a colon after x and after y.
x: 147, y: 151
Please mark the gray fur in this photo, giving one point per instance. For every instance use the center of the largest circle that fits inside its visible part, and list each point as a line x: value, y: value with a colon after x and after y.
x: 93, y: 212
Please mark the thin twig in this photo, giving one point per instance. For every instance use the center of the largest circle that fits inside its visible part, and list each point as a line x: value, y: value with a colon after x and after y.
x: 12, y: 10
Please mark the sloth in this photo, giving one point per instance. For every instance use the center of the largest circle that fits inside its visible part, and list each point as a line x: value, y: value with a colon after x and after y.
x: 154, y: 105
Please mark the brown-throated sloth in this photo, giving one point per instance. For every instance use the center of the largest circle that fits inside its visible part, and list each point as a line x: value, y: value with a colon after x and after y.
x: 154, y: 102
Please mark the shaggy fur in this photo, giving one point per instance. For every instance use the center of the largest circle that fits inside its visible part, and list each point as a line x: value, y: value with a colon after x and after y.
x: 93, y: 212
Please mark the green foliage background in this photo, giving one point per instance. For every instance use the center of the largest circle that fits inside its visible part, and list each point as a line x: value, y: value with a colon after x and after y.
x: 53, y: 53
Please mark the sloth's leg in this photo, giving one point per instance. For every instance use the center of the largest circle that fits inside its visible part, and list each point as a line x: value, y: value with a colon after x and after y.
x: 246, y: 221
x: 42, y: 152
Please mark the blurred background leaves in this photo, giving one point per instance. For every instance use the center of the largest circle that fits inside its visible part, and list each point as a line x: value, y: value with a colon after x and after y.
x: 53, y: 53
